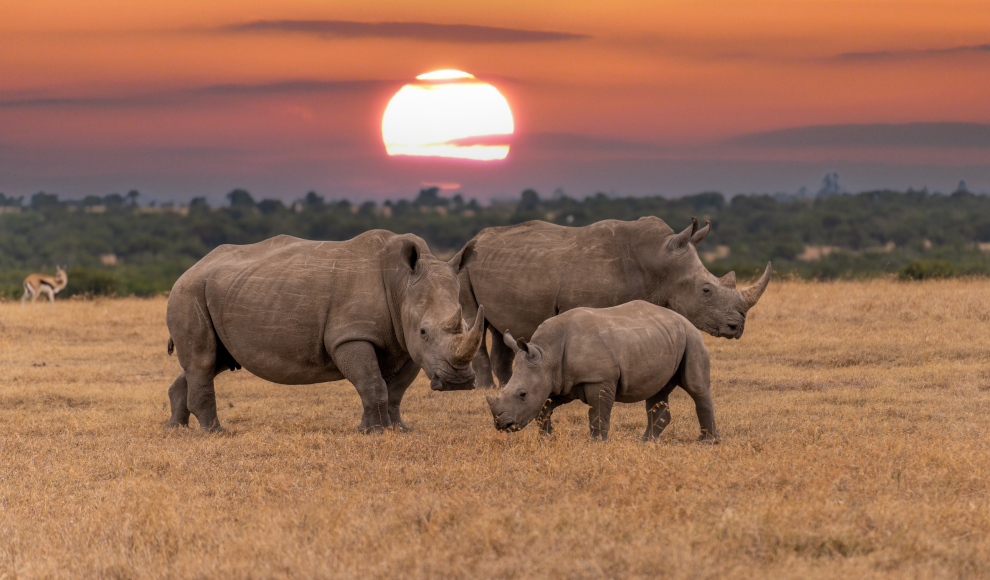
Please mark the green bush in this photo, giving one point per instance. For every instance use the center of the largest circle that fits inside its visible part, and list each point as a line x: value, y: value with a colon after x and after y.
x: 926, y: 270
x: 87, y: 282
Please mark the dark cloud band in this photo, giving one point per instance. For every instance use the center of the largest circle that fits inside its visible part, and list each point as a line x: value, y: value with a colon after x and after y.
x: 915, y: 135
x: 462, y: 33
x: 191, y: 94
x: 912, y: 54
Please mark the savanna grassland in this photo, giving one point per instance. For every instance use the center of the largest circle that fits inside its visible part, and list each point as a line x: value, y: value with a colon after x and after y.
x: 855, y: 418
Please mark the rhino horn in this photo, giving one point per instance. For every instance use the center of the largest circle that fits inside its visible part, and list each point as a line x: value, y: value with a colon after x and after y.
x: 728, y: 281
x: 469, y: 343
x: 491, y: 404
x: 699, y: 235
x: 751, y: 294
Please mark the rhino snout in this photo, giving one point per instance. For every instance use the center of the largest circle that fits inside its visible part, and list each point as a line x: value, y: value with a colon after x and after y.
x: 458, y: 380
x: 734, y: 330
x: 503, y: 420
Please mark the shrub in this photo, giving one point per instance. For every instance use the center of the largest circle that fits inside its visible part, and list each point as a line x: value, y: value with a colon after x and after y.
x: 926, y: 270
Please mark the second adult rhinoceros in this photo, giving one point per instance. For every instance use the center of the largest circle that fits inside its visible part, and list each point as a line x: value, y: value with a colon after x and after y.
x: 527, y: 273
x: 373, y: 310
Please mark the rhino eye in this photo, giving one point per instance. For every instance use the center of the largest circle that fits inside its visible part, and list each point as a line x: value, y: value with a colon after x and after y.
x: 422, y: 333
x: 706, y: 290
x: 522, y: 395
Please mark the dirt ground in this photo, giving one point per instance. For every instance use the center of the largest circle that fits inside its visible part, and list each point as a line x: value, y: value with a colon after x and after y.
x: 855, y: 419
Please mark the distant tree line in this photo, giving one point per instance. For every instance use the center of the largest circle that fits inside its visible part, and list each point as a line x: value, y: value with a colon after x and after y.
x: 113, y: 245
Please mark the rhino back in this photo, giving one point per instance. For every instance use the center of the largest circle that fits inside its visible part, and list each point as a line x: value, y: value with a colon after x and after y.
x: 274, y: 303
x: 528, y: 273
x: 637, y: 345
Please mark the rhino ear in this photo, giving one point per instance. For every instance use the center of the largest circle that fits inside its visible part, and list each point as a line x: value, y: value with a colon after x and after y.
x: 410, y: 254
x: 464, y: 258
x: 678, y: 241
x: 511, y: 342
x: 700, y: 234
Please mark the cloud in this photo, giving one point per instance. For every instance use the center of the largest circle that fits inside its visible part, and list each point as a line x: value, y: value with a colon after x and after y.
x: 179, y: 96
x: 916, y: 135
x: 585, y: 143
x: 462, y: 33
x: 911, y: 54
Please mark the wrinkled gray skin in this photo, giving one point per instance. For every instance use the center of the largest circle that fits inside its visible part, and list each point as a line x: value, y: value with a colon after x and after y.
x: 372, y: 310
x: 528, y: 273
x: 627, y: 354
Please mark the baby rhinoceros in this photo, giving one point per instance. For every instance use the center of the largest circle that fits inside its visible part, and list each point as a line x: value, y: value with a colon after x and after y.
x: 629, y: 353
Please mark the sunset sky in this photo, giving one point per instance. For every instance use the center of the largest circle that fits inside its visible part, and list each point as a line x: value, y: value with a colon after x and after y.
x: 180, y: 98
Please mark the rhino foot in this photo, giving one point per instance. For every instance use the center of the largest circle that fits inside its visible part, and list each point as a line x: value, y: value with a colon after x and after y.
x: 706, y: 437
x: 175, y: 425
x: 402, y: 427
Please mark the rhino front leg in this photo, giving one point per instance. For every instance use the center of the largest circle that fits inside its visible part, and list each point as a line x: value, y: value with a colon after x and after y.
x: 543, y: 419
x: 658, y: 412
x: 696, y: 380
x: 396, y: 387
x: 357, y: 361
x: 600, y: 397
x: 482, y: 364
x: 501, y: 358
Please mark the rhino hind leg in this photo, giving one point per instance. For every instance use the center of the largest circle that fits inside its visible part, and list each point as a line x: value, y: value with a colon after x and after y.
x: 357, y: 361
x: 177, y: 394
x: 482, y: 364
x: 658, y: 412
x: 600, y: 397
x: 501, y: 363
x: 396, y: 387
x: 201, y: 399
x: 193, y: 391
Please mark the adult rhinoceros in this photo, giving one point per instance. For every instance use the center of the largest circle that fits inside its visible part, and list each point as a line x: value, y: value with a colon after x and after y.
x: 527, y: 273
x: 373, y: 310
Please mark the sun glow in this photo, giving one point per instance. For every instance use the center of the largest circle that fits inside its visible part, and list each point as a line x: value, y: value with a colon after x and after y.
x: 448, y: 113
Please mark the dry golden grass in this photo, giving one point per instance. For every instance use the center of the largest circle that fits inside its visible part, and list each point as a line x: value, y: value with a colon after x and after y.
x: 854, y: 416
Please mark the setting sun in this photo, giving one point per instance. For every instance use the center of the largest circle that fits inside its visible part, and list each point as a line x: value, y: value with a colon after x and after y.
x: 448, y: 113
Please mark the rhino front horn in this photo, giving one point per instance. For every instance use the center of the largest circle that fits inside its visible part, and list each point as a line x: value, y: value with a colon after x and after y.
x: 491, y: 404
x: 470, y: 342
x: 751, y: 294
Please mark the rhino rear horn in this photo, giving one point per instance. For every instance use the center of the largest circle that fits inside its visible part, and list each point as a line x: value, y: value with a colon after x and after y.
x: 469, y: 343
x: 699, y: 235
x: 751, y: 294
x: 728, y: 281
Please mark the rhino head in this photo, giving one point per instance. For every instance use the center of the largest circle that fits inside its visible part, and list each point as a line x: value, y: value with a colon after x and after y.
x: 527, y: 391
x: 436, y: 336
x: 713, y: 305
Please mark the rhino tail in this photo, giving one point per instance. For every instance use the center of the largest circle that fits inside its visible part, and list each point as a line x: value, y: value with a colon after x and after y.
x: 171, y: 346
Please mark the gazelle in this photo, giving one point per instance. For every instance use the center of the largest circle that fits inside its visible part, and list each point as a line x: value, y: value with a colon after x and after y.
x: 37, y: 283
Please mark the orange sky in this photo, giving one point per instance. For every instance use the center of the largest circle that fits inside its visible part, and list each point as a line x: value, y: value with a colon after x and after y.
x: 186, y: 98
